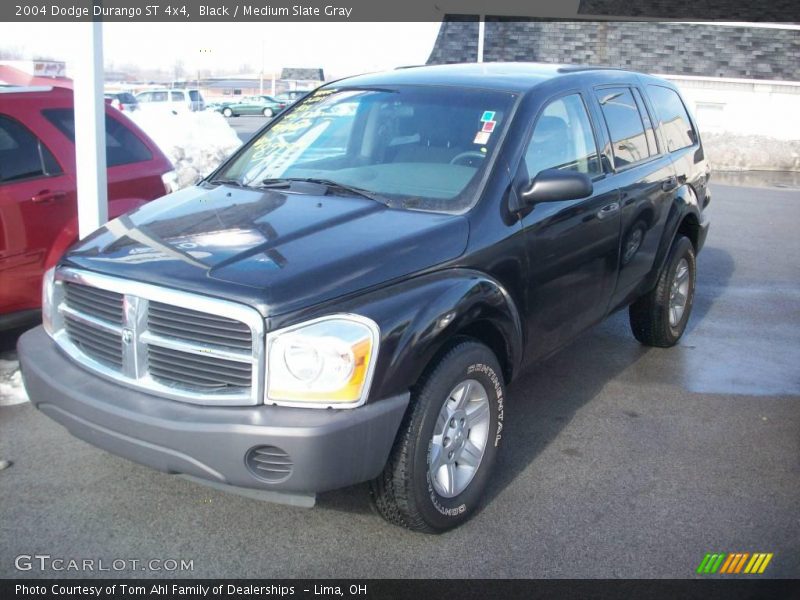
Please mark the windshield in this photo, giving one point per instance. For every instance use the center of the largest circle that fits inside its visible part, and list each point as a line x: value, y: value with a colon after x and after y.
x: 416, y: 147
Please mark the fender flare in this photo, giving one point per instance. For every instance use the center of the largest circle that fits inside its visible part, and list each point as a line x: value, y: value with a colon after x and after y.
x: 419, y: 317
x: 684, y: 204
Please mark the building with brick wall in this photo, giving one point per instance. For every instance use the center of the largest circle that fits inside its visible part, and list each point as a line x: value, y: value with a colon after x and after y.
x: 712, y: 50
x: 741, y: 81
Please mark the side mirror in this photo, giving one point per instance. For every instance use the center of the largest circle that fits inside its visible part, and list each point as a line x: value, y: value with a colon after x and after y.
x: 553, y: 185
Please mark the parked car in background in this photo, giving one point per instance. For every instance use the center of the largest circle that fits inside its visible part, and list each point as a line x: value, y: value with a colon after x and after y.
x: 176, y: 100
x: 252, y: 105
x: 347, y: 297
x: 292, y: 96
x: 123, y: 101
x: 38, y: 203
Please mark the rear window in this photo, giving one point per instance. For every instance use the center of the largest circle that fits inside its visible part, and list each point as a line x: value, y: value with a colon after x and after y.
x: 122, y: 145
x: 625, y: 126
x: 676, y: 125
x: 22, y: 154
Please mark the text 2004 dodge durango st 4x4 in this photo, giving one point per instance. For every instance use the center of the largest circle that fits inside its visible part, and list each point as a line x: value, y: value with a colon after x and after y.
x: 347, y: 297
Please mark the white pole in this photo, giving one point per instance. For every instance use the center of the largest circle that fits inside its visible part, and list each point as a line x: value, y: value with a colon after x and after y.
x: 90, y: 129
x: 481, y: 28
x: 261, y: 77
x: 272, y: 89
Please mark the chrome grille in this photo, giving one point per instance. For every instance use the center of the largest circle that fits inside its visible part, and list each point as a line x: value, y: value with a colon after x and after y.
x: 101, y: 345
x: 194, y: 326
x: 196, y: 372
x: 143, y: 336
x: 95, y: 302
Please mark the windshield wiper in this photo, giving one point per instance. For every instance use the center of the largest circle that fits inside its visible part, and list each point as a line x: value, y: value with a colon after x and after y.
x: 227, y: 181
x: 356, y: 191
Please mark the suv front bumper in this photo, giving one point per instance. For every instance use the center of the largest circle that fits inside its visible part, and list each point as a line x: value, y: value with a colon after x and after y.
x: 327, y: 449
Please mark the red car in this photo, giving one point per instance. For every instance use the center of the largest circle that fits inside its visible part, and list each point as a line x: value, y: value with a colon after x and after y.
x: 38, y: 208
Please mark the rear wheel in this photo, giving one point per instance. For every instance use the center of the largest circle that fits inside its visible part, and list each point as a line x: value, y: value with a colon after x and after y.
x: 446, y: 447
x: 659, y: 317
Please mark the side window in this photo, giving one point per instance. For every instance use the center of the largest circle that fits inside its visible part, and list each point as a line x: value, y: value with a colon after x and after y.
x: 158, y: 97
x: 177, y: 96
x: 563, y: 139
x: 628, y: 140
x: 648, y: 125
x: 195, y: 96
x: 22, y: 154
x: 144, y: 97
x: 122, y: 145
x: 676, y: 125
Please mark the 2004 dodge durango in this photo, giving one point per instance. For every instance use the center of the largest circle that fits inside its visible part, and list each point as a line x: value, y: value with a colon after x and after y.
x: 347, y: 297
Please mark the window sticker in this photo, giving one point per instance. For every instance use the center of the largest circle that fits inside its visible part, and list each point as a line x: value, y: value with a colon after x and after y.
x: 488, y: 126
x: 488, y: 115
x: 482, y: 137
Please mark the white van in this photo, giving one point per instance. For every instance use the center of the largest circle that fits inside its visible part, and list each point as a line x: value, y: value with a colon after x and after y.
x: 177, y: 100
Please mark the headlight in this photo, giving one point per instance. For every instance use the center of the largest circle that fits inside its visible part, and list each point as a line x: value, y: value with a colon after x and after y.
x: 324, y: 362
x: 48, y: 289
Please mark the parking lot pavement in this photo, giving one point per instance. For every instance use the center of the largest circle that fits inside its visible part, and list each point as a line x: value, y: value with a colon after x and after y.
x: 246, y: 126
x: 618, y: 461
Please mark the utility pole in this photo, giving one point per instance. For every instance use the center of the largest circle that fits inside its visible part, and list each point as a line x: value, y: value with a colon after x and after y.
x: 261, y: 77
x: 90, y: 130
x: 481, y: 31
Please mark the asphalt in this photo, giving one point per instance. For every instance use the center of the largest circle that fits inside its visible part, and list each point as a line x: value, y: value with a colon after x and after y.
x: 618, y: 461
x: 246, y: 126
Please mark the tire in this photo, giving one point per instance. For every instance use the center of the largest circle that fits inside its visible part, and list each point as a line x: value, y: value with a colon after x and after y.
x: 227, y: 112
x: 406, y: 494
x: 652, y: 321
x: 268, y: 112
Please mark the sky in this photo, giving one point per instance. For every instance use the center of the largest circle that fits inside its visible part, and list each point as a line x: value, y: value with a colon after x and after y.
x: 339, y: 48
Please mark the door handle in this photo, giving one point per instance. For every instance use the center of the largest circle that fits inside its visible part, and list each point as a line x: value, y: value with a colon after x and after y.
x: 670, y: 183
x: 48, y: 196
x: 608, y: 210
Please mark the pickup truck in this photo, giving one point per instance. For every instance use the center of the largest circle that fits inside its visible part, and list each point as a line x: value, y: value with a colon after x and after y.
x: 347, y: 297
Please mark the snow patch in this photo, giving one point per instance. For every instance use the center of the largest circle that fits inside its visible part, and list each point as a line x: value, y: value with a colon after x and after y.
x: 11, y: 389
x: 195, y: 142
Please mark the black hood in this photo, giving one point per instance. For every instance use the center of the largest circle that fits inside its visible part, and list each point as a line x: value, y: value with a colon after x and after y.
x: 278, y: 251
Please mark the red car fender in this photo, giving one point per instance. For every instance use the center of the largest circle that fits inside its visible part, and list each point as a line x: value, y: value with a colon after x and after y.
x: 69, y: 235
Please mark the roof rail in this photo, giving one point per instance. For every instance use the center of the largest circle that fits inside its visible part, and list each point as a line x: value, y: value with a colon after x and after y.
x: 579, y: 68
x: 16, y: 89
x: 408, y: 67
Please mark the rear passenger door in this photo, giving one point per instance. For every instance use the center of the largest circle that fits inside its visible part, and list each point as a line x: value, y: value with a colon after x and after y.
x: 680, y: 138
x: 572, y: 245
x: 644, y: 175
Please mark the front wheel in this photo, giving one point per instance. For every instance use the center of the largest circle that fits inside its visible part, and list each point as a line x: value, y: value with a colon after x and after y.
x: 227, y: 112
x: 268, y: 112
x: 659, y: 317
x: 446, y: 447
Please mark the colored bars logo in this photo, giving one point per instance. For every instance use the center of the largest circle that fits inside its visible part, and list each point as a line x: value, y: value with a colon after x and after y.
x: 734, y: 563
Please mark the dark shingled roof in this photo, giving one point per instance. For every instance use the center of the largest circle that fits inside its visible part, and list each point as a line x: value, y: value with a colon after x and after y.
x: 302, y: 74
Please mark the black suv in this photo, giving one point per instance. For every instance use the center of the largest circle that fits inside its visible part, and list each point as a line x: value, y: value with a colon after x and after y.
x: 347, y: 297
